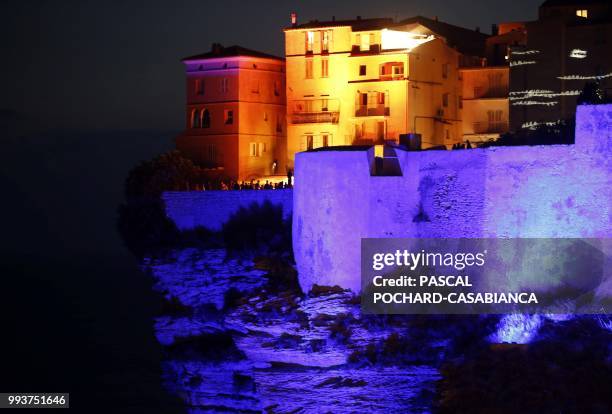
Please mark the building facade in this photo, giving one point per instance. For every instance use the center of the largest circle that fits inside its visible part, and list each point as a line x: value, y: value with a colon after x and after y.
x: 485, y: 102
x: 369, y: 81
x: 568, y: 46
x: 235, y: 113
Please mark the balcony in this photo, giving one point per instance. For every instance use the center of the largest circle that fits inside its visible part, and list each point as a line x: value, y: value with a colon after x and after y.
x: 490, y: 127
x: 372, y: 110
x: 315, y: 111
x: 392, y: 71
x: 357, y: 50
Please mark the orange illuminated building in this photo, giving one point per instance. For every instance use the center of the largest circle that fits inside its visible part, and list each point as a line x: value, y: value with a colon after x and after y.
x: 370, y: 81
x: 235, y: 115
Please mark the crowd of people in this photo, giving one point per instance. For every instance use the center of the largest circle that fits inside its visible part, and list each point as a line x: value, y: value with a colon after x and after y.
x: 466, y: 145
x: 255, y: 185
x: 243, y: 185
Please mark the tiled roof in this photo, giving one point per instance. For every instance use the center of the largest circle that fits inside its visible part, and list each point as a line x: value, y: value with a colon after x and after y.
x: 356, y: 24
x: 219, y: 51
x: 467, y: 41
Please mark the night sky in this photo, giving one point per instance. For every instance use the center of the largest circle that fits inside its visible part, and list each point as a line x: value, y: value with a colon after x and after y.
x: 80, y: 64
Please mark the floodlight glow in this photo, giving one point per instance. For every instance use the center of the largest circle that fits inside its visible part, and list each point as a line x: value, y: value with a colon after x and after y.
x: 395, y: 39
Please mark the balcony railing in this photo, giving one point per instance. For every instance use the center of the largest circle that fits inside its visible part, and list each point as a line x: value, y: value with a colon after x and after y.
x: 372, y: 110
x: 315, y: 117
x: 490, y: 127
x: 315, y: 111
x: 373, y: 49
x: 391, y: 76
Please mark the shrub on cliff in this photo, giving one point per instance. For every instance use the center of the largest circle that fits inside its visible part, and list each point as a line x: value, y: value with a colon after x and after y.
x: 166, y: 172
x: 559, y: 133
x: 142, y: 220
x: 144, y: 227
x: 258, y: 230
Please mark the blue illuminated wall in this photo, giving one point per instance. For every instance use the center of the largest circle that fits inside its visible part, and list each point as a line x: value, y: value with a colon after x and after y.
x: 539, y: 191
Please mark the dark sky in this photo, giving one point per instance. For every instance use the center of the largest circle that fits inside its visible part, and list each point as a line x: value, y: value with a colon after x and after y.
x: 115, y: 64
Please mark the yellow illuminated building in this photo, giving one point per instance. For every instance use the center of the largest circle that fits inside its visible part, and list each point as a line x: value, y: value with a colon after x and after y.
x: 369, y: 81
x: 485, y: 102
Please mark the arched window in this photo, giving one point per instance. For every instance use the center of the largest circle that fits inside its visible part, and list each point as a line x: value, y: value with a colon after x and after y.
x: 205, y: 118
x: 195, y: 118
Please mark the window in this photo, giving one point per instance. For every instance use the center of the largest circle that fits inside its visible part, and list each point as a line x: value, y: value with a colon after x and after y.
x: 256, y: 149
x: 254, y: 86
x: 362, y: 70
x: 195, y: 118
x: 266, y: 116
x: 364, y: 42
x: 308, y: 105
x: 582, y: 13
x: 460, y: 102
x: 495, y: 120
x: 325, y: 41
x: 210, y: 154
x: 380, y: 98
x: 309, y: 142
x: 325, y: 141
x: 445, y: 70
x: 445, y: 100
x: 224, y: 85
x: 324, y: 68
x: 308, y: 68
x: 199, y: 86
x: 205, y: 118
x: 228, y: 116
x: 363, y: 99
x: 279, y: 124
x: 309, y: 42
x: 276, y: 88
x: 380, y: 130
x: 324, y: 104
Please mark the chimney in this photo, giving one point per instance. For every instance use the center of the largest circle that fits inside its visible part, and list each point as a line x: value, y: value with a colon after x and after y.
x: 333, y: 18
x: 293, y: 19
x: 358, y: 17
x: 494, y: 30
x: 436, y: 18
x: 477, y: 29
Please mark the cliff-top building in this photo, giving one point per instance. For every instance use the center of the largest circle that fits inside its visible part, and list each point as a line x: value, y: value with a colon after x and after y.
x: 235, y: 113
x: 368, y: 81
x: 568, y: 46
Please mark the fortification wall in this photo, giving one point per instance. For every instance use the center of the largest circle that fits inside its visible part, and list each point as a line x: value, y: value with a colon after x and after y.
x: 539, y: 191
x: 210, y: 209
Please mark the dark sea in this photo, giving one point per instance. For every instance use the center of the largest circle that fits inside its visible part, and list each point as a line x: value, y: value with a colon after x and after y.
x: 75, y: 310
